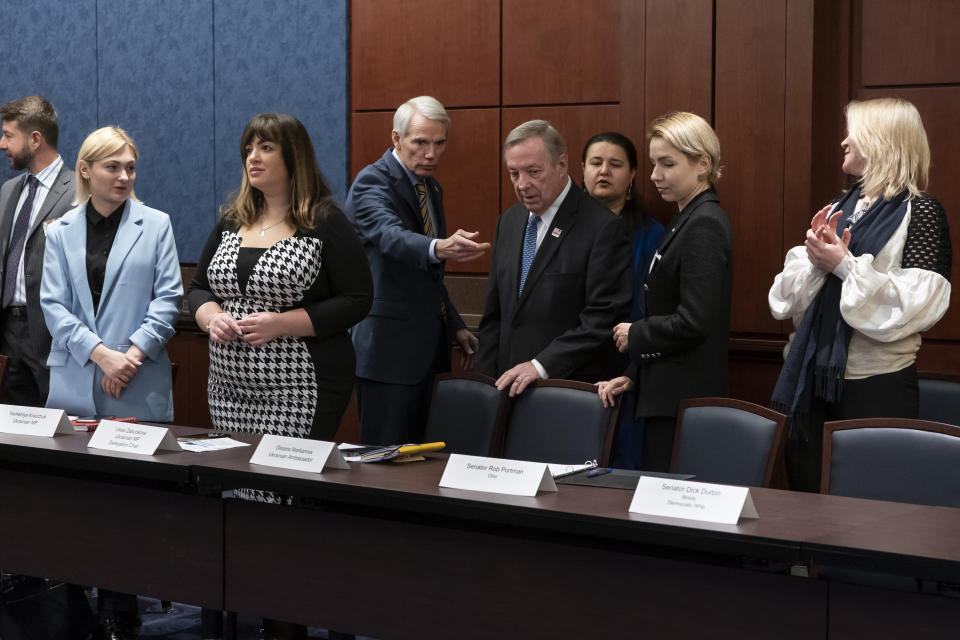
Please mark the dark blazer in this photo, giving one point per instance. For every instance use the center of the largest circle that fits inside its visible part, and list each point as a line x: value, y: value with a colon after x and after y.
x: 54, y: 205
x: 679, y: 350
x: 411, y: 312
x: 578, y: 288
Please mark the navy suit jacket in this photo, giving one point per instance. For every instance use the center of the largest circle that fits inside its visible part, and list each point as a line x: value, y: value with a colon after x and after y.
x: 397, y: 342
x: 579, y: 286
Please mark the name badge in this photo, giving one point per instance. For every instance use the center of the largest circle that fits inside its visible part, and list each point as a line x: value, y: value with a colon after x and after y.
x: 31, y: 421
x: 692, y: 500
x: 130, y: 437
x: 298, y: 454
x: 494, y: 475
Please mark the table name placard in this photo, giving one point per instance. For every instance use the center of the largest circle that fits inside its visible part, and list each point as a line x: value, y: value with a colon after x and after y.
x: 31, y: 421
x: 511, y: 477
x: 692, y: 500
x: 298, y: 454
x: 132, y: 437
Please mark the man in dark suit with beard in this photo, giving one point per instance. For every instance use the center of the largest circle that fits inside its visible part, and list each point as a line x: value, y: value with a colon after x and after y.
x: 28, y: 202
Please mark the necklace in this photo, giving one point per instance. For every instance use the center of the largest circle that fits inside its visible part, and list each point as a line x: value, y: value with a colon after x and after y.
x: 267, y: 228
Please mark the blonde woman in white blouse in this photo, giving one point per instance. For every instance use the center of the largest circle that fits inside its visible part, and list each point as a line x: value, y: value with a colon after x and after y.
x: 873, y: 273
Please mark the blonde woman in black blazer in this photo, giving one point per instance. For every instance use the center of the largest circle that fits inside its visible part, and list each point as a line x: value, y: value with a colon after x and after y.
x: 679, y: 349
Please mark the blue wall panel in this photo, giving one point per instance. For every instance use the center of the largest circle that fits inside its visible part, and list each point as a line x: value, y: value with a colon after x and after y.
x: 156, y: 82
x: 183, y: 77
x: 49, y: 47
x: 287, y: 56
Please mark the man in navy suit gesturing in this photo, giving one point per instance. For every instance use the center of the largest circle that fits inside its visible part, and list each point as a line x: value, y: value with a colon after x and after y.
x: 397, y: 208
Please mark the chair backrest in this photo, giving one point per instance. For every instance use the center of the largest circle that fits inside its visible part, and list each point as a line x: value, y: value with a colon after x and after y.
x: 939, y: 398
x: 467, y: 413
x: 728, y: 441
x: 893, y: 459
x: 560, y: 421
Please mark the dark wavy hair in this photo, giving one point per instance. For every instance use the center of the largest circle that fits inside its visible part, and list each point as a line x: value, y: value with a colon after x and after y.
x: 633, y: 210
x: 310, y: 197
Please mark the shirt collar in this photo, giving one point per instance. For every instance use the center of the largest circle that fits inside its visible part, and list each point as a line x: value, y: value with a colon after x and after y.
x: 94, y: 217
x: 48, y: 173
x: 547, y: 216
x: 414, y: 178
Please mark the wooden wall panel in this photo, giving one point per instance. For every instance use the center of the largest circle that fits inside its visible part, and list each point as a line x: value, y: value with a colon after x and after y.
x: 470, y: 174
x: 561, y: 51
x: 679, y: 75
x: 449, y: 49
x: 469, y: 170
x: 575, y: 123
x: 749, y: 119
x: 369, y: 138
x: 909, y: 43
x: 938, y: 108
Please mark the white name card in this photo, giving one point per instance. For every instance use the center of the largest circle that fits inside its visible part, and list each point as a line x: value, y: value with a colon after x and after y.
x: 31, y: 421
x: 298, y: 454
x: 511, y: 477
x: 692, y: 500
x: 132, y: 437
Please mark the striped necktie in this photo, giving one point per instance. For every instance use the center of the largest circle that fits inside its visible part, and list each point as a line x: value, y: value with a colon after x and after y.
x: 424, y: 210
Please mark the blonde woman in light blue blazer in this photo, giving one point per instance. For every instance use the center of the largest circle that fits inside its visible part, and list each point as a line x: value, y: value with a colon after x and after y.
x: 111, y: 291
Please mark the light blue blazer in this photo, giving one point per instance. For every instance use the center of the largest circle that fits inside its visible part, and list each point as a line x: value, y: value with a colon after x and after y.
x: 139, y: 305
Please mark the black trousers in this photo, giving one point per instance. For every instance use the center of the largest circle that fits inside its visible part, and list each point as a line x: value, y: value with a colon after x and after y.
x: 658, y: 435
x: 890, y: 395
x: 28, y: 379
x: 397, y: 413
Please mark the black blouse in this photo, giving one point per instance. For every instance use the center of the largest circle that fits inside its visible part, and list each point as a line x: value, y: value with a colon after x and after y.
x: 101, y: 232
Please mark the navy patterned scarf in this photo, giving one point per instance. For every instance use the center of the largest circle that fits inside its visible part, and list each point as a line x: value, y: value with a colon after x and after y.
x: 817, y: 359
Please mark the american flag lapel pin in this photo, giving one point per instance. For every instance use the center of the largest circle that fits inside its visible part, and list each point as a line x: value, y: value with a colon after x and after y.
x: 556, y: 232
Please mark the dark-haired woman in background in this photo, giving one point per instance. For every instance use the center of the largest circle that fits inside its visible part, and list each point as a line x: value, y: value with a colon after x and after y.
x: 609, y: 168
x: 873, y: 273
x: 280, y: 281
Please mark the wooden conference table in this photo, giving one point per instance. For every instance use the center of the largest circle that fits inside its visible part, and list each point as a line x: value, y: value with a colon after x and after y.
x: 382, y: 550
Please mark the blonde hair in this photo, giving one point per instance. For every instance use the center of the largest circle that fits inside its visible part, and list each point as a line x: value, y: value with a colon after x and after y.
x: 890, y: 136
x: 310, y: 197
x: 692, y: 136
x: 102, y: 143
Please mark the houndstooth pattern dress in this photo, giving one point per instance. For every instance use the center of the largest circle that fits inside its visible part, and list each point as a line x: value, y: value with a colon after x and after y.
x: 269, y: 388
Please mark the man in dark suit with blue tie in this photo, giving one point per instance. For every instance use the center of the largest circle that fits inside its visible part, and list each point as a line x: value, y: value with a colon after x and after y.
x: 397, y: 208
x: 559, y: 277
x: 28, y: 203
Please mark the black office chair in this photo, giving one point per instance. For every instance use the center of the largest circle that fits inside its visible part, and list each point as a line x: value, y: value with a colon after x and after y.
x: 467, y: 413
x: 728, y: 441
x: 939, y: 398
x: 560, y: 421
x: 892, y: 459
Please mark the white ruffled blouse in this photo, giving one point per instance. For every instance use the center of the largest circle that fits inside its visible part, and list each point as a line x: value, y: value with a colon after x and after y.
x: 887, y: 299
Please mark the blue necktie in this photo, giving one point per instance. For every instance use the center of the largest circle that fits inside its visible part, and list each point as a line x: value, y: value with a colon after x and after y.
x: 529, y: 249
x: 15, y: 249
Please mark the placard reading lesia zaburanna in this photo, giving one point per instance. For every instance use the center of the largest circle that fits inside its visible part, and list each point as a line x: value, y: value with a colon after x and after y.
x: 131, y: 437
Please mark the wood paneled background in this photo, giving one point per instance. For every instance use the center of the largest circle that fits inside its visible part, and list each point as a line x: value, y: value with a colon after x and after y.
x: 772, y: 76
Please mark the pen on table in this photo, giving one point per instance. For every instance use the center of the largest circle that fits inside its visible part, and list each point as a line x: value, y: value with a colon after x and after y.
x: 593, y: 473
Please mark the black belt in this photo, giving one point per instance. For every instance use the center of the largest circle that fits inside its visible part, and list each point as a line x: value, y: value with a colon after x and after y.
x: 16, y: 311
